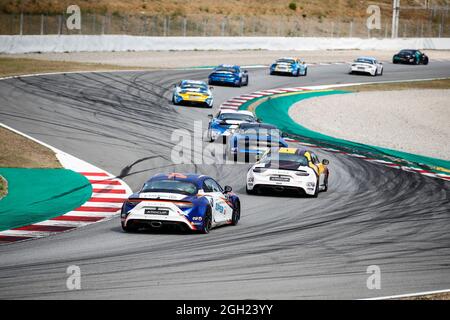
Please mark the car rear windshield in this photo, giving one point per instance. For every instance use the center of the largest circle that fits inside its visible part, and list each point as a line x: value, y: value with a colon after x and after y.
x: 407, y: 52
x: 259, y: 131
x: 286, y: 61
x: 171, y: 186
x: 235, y: 116
x: 229, y: 69
x: 287, y: 157
x: 362, y: 60
x: 200, y: 86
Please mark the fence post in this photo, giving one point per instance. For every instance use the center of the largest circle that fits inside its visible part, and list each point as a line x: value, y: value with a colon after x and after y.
x: 21, y: 24
x: 42, y: 24
x: 222, y: 28
x: 165, y: 27
x: 351, y: 29
x: 59, y: 24
x: 184, y: 26
x: 103, y: 25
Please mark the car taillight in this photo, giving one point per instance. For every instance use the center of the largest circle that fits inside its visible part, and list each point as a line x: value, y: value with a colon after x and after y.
x: 259, y: 169
x: 302, y: 173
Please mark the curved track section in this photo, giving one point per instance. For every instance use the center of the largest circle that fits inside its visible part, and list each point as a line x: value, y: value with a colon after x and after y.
x: 283, y: 247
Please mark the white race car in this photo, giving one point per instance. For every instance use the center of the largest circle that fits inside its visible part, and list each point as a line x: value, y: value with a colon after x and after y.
x: 226, y: 121
x: 288, y: 169
x: 368, y: 65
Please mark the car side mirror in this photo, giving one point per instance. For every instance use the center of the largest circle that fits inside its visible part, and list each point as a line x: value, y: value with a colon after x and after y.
x: 257, y: 157
x: 228, y: 189
x: 245, y: 71
x: 210, y: 116
x: 211, y: 88
x: 325, y: 162
x: 284, y: 134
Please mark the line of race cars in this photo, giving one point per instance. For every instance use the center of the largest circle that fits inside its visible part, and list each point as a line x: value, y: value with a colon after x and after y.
x: 198, y: 202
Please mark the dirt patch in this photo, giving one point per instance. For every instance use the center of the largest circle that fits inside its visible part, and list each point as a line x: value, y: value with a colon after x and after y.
x: 414, y: 121
x: 437, y: 296
x: 10, y: 66
x: 432, y: 84
x: 181, y: 59
x: 3, y: 187
x: 20, y: 152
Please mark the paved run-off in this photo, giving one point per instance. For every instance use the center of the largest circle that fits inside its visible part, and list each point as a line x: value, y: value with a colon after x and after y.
x: 38, y: 194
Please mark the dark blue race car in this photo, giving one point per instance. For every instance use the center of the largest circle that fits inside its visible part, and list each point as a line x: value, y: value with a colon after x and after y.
x: 187, y: 201
x: 254, y: 139
x: 229, y: 75
x: 226, y: 121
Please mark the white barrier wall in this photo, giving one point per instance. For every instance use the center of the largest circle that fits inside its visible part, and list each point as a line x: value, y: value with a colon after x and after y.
x: 78, y: 43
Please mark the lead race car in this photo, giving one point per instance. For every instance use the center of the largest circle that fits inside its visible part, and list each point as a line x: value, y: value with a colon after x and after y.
x: 193, y: 92
x: 229, y: 74
x: 287, y: 170
x: 226, y: 122
x: 368, y: 65
x: 188, y: 201
x: 411, y: 56
x: 289, y: 66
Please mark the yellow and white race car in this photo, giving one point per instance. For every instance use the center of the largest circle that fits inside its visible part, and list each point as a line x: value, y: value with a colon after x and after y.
x: 191, y: 92
x: 288, y: 169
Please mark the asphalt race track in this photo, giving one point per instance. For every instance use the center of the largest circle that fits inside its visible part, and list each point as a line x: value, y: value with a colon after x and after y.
x: 283, y: 248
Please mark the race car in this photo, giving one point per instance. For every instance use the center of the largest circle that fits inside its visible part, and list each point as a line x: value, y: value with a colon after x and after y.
x: 229, y: 74
x: 289, y: 66
x: 252, y: 139
x: 193, y: 92
x: 187, y: 201
x: 288, y: 170
x: 410, y: 56
x: 226, y: 121
x: 368, y: 65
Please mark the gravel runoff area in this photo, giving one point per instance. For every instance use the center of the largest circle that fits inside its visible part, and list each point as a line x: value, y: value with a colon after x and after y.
x: 178, y: 59
x: 414, y: 121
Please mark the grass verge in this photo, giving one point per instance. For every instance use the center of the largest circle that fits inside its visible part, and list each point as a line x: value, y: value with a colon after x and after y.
x: 21, y: 66
x: 427, y: 84
x: 20, y: 152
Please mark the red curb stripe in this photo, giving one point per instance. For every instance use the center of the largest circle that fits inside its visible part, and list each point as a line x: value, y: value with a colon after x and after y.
x: 97, y: 209
x: 78, y: 218
x: 108, y: 182
x: 36, y: 227
x: 13, y: 238
x: 118, y: 191
x: 117, y: 200
x: 94, y: 174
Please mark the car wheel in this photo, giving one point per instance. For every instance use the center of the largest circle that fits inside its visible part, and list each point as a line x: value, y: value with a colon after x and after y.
x: 207, y: 222
x: 248, y: 191
x: 173, y: 101
x: 381, y: 73
x: 425, y: 61
x: 306, y: 72
x: 316, y: 191
x: 298, y: 73
x: 246, y: 82
x: 394, y: 61
x: 326, y: 183
x: 236, y: 216
x: 128, y: 228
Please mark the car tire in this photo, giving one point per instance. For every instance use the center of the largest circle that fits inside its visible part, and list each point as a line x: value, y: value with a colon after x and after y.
x: 248, y: 191
x: 206, y: 227
x: 128, y: 228
x: 246, y: 82
x: 316, y: 191
x: 173, y: 101
x: 425, y: 61
x: 381, y: 73
x: 326, y: 183
x: 298, y: 73
x: 236, y: 216
x: 306, y: 72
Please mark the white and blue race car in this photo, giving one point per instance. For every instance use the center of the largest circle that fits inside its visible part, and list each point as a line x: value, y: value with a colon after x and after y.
x: 289, y: 66
x: 226, y: 122
x: 192, y: 92
x: 191, y: 202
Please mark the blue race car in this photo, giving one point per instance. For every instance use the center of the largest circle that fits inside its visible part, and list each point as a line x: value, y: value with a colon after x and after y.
x: 289, y: 66
x: 226, y: 121
x: 254, y: 139
x: 187, y: 201
x: 228, y: 74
